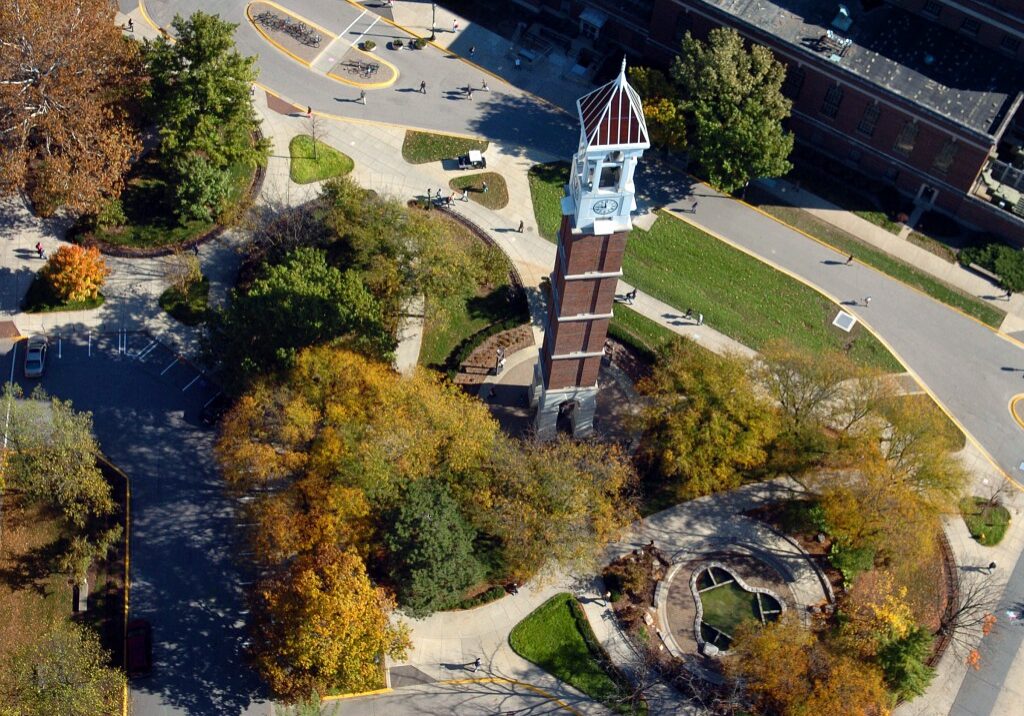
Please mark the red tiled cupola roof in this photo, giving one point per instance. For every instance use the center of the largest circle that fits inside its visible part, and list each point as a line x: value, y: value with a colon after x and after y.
x: 613, y: 115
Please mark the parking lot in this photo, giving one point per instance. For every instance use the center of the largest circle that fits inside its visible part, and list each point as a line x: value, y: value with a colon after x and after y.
x: 146, y: 403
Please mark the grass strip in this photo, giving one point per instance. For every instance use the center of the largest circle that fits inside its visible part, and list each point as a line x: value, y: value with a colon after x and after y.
x: 496, y: 196
x: 887, y: 264
x: 424, y: 147
x: 986, y: 523
x: 190, y: 308
x: 312, y: 160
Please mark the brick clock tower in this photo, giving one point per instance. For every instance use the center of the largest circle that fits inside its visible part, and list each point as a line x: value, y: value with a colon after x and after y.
x: 596, y: 219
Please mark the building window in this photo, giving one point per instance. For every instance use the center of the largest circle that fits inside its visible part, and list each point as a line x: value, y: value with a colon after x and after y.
x: 944, y: 159
x: 932, y: 8
x: 834, y: 96
x: 906, y: 138
x: 970, y: 26
x: 610, y: 177
x: 1010, y: 43
x: 794, y: 82
x: 869, y: 120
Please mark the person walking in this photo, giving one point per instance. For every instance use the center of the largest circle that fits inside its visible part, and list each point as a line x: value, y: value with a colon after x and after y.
x: 465, y: 194
x: 693, y: 208
x: 522, y: 224
x: 476, y: 664
x: 195, y: 249
x: 472, y: 50
x: 362, y: 96
x: 309, y: 112
x: 455, y: 25
x: 700, y: 319
x: 630, y: 297
x: 867, y: 301
x: 469, y: 92
x: 423, y: 86
x: 485, y: 187
x: 991, y: 567
x: 131, y: 25
x: 688, y: 315
x: 483, y: 85
x: 849, y: 259
x: 519, y: 64
x: 1007, y: 295
x: 39, y: 249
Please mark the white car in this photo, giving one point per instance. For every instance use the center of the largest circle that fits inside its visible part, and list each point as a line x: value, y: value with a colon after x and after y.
x: 35, y: 357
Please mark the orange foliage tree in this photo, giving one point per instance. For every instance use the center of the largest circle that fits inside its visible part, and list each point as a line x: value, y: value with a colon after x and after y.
x: 75, y: 273
x: 66, y: 72
x: 319, y: 625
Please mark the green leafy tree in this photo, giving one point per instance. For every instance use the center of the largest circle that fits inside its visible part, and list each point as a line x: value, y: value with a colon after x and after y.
x: 51, y: 458
x: 300, y: 302
x: 64, y: 671
x: 903, y: 663
x: 706, y: 421
x: 735, y: 107
x: 663, y: 111
x: 431, y: 549
x: 199, y: 97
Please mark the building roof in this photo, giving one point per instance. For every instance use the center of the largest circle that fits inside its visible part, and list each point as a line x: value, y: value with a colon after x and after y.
x: 613, y: 115
x: 939, y: 69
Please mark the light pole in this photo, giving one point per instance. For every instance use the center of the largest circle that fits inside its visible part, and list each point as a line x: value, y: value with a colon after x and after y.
x: 433, y: 21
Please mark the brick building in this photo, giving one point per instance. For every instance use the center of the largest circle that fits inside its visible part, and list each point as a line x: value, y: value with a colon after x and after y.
x: 919, y: 93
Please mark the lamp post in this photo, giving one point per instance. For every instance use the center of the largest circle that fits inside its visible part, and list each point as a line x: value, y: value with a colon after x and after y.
x: 433, y: 21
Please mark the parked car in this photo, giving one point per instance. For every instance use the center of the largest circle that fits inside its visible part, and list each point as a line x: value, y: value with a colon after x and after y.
x: 139, y: 648
x: 472, y: 160
x: 35, y: 357
x: 214, y: 409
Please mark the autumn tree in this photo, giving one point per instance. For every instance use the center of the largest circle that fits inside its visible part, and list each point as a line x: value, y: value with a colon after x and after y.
x: 319, y: 624
x: 706, y: 423
x: 75, y: 273
x: 51, y: 458
x: 734, y: 105
x: 430, y: 547
x: 663, y: 110
x: 200, y: 99
x: 814, y: 680
x: 66, y: 73
x: 62, y: 671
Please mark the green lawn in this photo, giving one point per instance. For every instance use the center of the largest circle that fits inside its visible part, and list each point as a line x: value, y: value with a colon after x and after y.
x: 149, y: 208
x: 739, y: 295
x: 986, y: 524
x: 424, y: 147
x: 867, y: 254
x: 550, y: 637
x: 40, y: 299
x: 728, y: 606
x: 638, y: 330
x: 496, y: 196
x: 190, y: 309
x: 306, y: 168
x: 547, y: 187
x: 455, y: 319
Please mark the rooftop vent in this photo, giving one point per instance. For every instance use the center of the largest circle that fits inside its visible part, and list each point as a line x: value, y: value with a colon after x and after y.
x: 843, y: 19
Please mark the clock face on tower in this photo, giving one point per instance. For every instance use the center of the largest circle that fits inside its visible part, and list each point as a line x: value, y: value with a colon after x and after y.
x: 605, y: 206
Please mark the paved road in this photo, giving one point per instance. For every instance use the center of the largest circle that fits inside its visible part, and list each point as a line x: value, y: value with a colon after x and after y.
x: 472, y: 699
x: 145, y: 407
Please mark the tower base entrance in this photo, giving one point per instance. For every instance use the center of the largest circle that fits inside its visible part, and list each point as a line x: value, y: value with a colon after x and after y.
x: 574, y: 405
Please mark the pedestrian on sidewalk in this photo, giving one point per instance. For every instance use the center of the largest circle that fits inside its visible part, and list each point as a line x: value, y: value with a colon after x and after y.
x: 423, y: 86
x: 39, y: 249
x: 472, y: 50
x: 362, y: 96
x: 991, y: 567
x: 450, y: 199
x: 693, y: 208
x: 309, y: 112
x: 700, y: 319
x: 519, y: 64
x: 455, y: 25
x: 469, y: 92
x: 476, y: 664
x: 867, y: 301
x: 1007, y: 295
x: 849, y: 259
x: 630, y: 297
x: 483, y: 85
x: 131, y: 25
x: 195, y: 249
x: 688, y: 315
x: 521, y: 225
x: 513, y: 588
x: 465, y: 194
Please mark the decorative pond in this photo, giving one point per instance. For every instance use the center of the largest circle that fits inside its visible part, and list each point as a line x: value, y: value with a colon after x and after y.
x: 724, y: 601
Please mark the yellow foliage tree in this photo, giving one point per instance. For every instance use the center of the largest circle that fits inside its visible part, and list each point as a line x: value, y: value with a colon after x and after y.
x: 75, y: 273
x: 319, y: 625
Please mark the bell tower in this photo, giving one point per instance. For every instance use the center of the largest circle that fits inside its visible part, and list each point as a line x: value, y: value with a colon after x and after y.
x: 596, y: 219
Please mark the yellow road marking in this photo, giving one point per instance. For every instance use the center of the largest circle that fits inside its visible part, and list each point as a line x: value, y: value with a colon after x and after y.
x: 1017, y: 411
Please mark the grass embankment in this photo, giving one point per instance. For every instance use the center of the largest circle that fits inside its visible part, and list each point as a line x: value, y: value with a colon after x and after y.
x: 424, y: 147
x: 453, y: 320
x: 496, y: 196
x: 315, y: 161
x: 148, y: 203
x: 887, y: 264
x: 557, y: 638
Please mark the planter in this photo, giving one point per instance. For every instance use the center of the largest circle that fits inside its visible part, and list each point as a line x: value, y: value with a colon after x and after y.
x: 396, y: 44
x: 368, y: 46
